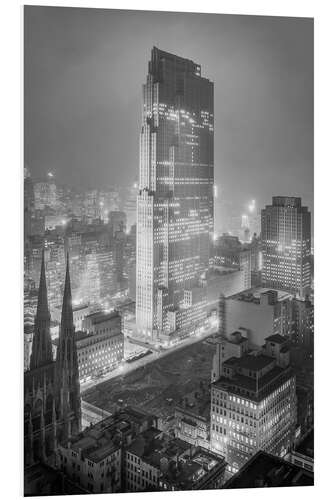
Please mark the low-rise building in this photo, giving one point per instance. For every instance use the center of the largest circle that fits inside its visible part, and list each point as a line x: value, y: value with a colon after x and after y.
x: 265, y: 470
x: 99, y: 353
x: 192, y: 419
x: 155, y: 462
x: 91, y: 414
x: 101, y: 349
x: 101, y: 321
x: 93, y: 459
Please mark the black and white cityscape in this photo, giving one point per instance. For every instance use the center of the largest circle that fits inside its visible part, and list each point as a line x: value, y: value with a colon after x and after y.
x: 168, y: 251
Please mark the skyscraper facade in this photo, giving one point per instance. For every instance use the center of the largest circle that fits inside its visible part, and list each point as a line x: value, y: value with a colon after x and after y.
x: 286, y: 245
x: 175, y: 200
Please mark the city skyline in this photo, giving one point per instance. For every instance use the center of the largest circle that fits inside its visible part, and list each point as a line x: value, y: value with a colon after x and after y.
x: 77, y: 108
x: 168, y: 322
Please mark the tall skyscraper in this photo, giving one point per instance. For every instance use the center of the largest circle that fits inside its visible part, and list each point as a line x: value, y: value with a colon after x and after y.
x: 286, y: 245
x: 175, y: 201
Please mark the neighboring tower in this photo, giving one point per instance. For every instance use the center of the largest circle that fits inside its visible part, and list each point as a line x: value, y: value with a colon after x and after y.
x: 41, y: 353
x: 175, y: 203
x: 66, y: 370
x: 286, y: 246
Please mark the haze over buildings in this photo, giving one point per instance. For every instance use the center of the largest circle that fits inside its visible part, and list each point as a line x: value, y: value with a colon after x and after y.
x: 83, y: 100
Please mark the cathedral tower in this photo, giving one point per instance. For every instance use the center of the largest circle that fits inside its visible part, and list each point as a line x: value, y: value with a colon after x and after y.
x: 67, y: 383
x: 41, y: 353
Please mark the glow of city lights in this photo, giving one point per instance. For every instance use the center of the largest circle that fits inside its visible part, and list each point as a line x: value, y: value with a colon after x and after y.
x: 252, y: 206
x: 245, y: 220
x: 260, y: 261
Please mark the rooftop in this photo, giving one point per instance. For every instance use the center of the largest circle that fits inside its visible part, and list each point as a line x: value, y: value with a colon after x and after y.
x: 79, y: 307
x: 181, y: 464
x: 250, y: 362
x: 237, y: 338
x: 277, y: 338
x: 101, y: 316
x: 253, y: 294
x: 253, y: 387
x: 186, y: 473
x: 196, y: 403
x: 265, y: 470
x: 100, y: 440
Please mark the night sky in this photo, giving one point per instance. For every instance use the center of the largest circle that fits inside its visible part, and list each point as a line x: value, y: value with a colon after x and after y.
x: 84, y: 70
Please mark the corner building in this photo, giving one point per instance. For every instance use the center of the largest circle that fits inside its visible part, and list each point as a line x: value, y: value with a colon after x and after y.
x: 175, y: 203
x: 253, y: 402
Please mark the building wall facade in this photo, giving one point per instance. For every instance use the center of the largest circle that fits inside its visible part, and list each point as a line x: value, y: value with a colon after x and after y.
x: 259, y: 315
x: 95, y: 474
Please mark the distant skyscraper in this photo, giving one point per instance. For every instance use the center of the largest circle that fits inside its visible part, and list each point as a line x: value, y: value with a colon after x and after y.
x: 45, y: 193
x: 175, y: 201
x: 286, y: 245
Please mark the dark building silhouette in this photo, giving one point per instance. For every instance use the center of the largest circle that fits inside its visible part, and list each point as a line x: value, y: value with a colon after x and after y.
x: 41, y: 353
x: 265, y: 470
x: 66, y: 368
x: 52, y: 406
